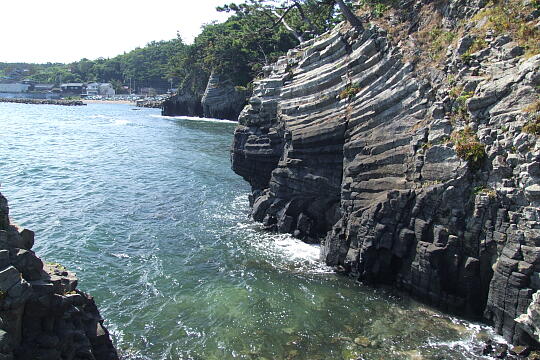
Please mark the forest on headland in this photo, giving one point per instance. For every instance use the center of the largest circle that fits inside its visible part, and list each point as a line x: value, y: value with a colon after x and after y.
x: 256, y: 34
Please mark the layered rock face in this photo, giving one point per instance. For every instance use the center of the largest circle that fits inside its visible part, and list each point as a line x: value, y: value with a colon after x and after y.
x: 347, y: 144
x: 43, y: 314
x: 182, y: 104
x: 221, y: 100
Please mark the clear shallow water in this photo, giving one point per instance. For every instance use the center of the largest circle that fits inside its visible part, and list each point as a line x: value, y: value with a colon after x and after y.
x: 148, y: 213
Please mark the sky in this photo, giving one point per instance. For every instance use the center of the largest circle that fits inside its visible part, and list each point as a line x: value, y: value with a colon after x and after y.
x: 40, y: 31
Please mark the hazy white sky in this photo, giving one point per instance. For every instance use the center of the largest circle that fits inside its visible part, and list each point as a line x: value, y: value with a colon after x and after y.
x: 40, y: 31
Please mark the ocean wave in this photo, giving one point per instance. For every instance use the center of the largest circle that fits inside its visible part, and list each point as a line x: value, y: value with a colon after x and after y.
x: 194, y: 118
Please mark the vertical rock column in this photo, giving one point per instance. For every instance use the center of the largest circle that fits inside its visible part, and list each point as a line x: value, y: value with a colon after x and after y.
x: 43, y: 314
x: 221, y: 100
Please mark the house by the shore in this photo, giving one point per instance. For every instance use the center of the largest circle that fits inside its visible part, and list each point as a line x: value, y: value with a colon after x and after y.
x: 99, y: 89
x: 73, y: 88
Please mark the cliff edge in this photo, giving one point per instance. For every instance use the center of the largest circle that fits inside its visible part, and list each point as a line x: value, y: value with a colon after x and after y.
x: 42, y: 313
x: 410, y: 151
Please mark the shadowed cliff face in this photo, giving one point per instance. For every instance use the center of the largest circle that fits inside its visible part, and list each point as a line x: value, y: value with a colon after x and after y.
x: 43, y: 314
x: 345, y: 143
x: 221, y: 100
x: 182, y: 104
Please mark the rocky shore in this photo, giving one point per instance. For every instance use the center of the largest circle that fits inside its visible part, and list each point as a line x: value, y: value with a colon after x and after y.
x: 43, y: 101
x: 408, y: 171
x: 42, y: 313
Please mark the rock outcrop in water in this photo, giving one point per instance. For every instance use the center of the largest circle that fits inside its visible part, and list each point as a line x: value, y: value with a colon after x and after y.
x: 421, y: 177
x: 43, y: 314
x: 221, y: 100
x: 184, y: 103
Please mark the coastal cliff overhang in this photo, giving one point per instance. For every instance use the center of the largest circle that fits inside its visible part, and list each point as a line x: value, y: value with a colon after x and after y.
x: 415, y: 176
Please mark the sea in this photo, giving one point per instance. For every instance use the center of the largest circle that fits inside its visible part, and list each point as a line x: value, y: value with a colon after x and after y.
x: 148, y: 213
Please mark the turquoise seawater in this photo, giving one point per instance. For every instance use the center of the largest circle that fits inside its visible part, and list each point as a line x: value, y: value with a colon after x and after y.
x: 148, y: 213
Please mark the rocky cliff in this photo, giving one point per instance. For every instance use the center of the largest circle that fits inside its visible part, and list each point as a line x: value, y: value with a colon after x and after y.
x: 42, y: 313
x: 221, y: 100
x: 413, y: 162
x: 185, y: 103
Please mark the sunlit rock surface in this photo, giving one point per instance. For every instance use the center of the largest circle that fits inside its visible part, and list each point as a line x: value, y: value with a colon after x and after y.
x: 346, y: 143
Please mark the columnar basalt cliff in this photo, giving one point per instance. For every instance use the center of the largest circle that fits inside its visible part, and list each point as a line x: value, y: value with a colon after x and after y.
x: 424, y: 178
x: 221, y: 100
x: 43, y: 314
x: 184, y: 103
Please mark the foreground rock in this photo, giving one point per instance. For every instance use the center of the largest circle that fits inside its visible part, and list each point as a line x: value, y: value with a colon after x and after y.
x: 44, y: 101
x: 43, y: 314
x: 419, y: 177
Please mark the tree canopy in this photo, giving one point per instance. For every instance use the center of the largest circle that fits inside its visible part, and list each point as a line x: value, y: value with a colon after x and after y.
x: 256, y: 34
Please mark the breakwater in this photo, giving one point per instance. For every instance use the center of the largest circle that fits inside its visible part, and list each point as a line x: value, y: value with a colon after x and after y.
x: 154, y: 104
x: 43, y: 101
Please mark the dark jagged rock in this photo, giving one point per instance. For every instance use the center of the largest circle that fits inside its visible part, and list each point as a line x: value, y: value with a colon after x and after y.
x: 221, y: 100
x: 184, y: 103
x: 345, y: 142
x: 43, y: 314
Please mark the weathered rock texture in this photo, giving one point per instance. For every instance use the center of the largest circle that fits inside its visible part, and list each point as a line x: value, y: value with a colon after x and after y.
x: 346, y: 143
x: 184, y: 103
x: 42, y: 313
x: 221, y: 100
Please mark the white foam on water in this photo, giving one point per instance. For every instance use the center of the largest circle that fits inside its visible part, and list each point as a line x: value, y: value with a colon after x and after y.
x: 99, y: 117
x: 470, y: 332
x: 283, y: 248
x: 121, y: 255
x: 298, y: 249
x: 121, y: 122
x: 194, y: 118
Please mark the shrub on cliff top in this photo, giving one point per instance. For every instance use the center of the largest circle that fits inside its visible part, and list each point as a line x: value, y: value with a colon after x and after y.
x: 510, y: 17
x: 468, y: 147
x: 477, y: 45
x: 533, y: 125
x: 349, y: 92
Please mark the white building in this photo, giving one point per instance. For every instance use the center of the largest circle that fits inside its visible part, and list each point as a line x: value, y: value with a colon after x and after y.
x: 103, y: 89
x: 92, y: 89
